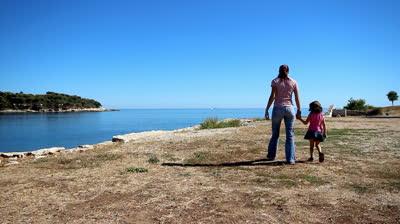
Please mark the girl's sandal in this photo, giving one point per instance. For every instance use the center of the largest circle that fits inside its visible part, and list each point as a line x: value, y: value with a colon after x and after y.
x: 321, y: 157
x: 310, y: 159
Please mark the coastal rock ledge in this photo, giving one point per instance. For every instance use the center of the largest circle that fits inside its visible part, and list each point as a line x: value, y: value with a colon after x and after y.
x: 40, y: 152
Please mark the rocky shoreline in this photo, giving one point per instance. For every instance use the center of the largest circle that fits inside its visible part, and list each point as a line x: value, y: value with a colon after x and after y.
x: 11, y: 158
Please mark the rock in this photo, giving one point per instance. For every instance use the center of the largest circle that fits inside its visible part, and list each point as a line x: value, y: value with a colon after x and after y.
x: 29, y: 154
x: 39, y: 157
x: 4, y: 155
x: 10, y: 163
x: 106, y: 143
x: 12, y: 154
x: 136, y: 136
x: 12, y: 159
x: 47, y: 151
x: 86, y: 146
x: 117, y: 139
x: 81, y: 148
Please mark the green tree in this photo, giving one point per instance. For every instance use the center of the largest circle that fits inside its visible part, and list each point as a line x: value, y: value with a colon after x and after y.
x: 50, y: 100
x: 392, y: 96
x: 3, y: 103
x: 356, y: 104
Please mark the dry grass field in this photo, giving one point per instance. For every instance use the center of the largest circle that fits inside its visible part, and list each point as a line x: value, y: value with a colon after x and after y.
x: 214, y: 176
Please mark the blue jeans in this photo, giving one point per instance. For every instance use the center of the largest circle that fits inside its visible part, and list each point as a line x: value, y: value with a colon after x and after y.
x: 287, y: 114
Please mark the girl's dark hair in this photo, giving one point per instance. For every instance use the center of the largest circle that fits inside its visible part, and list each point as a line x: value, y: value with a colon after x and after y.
x: 315, y: 107
x: 283, y: 71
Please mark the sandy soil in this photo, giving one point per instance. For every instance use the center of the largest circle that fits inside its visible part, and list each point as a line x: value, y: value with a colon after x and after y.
x: 214, y: 176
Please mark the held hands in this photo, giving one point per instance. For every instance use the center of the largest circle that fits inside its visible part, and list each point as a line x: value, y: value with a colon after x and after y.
x: 266, y: 115
x: 298, y: 114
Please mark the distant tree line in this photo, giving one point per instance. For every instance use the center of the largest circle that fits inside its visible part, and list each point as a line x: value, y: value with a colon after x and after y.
x: 49, y: 101
x: 357, y: 104
x: 360, y: 104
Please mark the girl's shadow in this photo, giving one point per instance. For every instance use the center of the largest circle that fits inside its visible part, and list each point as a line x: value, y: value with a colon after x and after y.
x: 257, y: 162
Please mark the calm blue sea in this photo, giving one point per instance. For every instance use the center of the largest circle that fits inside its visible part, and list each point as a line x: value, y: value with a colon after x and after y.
x: 25, y: 132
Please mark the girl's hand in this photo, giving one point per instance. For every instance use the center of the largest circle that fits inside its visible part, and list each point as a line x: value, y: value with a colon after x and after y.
x: 325, y: 136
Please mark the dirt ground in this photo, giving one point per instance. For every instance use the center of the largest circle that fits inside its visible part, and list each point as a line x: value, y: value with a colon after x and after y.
x: 214, y: 176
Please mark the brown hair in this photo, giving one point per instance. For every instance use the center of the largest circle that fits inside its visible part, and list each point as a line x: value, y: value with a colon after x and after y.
x: 315, y: 107
x: 283, y: 71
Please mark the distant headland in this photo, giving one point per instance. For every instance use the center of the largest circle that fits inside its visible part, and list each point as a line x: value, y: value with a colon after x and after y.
x: 49, y: 102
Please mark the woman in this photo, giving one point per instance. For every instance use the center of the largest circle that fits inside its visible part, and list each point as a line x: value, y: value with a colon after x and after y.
x: 283, y: 88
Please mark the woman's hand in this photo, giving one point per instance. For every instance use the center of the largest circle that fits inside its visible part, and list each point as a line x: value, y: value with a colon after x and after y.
x: 266, y: 115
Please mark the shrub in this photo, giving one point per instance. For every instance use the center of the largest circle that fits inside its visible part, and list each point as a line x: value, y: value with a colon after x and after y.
x: 211, y: 123
x: 375, y: 111
x: 355, y: 104
x: 136, y: 170
x: 153, y: 159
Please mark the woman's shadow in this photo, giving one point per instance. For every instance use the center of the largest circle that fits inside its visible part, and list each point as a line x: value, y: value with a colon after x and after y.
x: 257, y: 162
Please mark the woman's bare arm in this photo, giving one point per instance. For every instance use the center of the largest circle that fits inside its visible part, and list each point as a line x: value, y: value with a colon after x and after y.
x: 271, y: 97
x: 297, y: 99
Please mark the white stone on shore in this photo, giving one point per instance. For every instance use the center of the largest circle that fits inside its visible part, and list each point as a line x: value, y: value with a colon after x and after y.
x: 135, y: 136
x: 104, y: 143
x: 39, y: 157
x: 12, y: 162
x: 86, y: 146
x: 47, y: 151
x: 80, y: 148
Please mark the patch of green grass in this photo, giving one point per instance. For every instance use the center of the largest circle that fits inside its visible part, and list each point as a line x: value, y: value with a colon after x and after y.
x: 74, y: 161
x: 279, y: 201
x: 275, y: 180
x: 169, y: 157
x: 359, y: 189
x: 395, y: 184
x: 387, y: 172
x: 216, y: 173
x: 288, y: 182
x: 65, y: 160
x: 107, y: 156
x: 300, y: 131
x: 136, y: 170
x: 153, y: 159
x: 313, y: 179
x: 187, y: 174
x: 303, y: 143
x: 258, y: 119
x: 356, y: 151
x: 41, y: 160
x: 337, y: 132
x: 285, y: 180
x: 198, y: 157
x: 211, y: 123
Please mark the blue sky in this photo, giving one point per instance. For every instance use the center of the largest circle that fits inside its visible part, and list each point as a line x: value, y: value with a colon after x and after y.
x: 196, y: 54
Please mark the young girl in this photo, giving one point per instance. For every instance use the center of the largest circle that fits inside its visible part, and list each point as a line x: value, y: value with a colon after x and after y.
x: 316, y: 130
